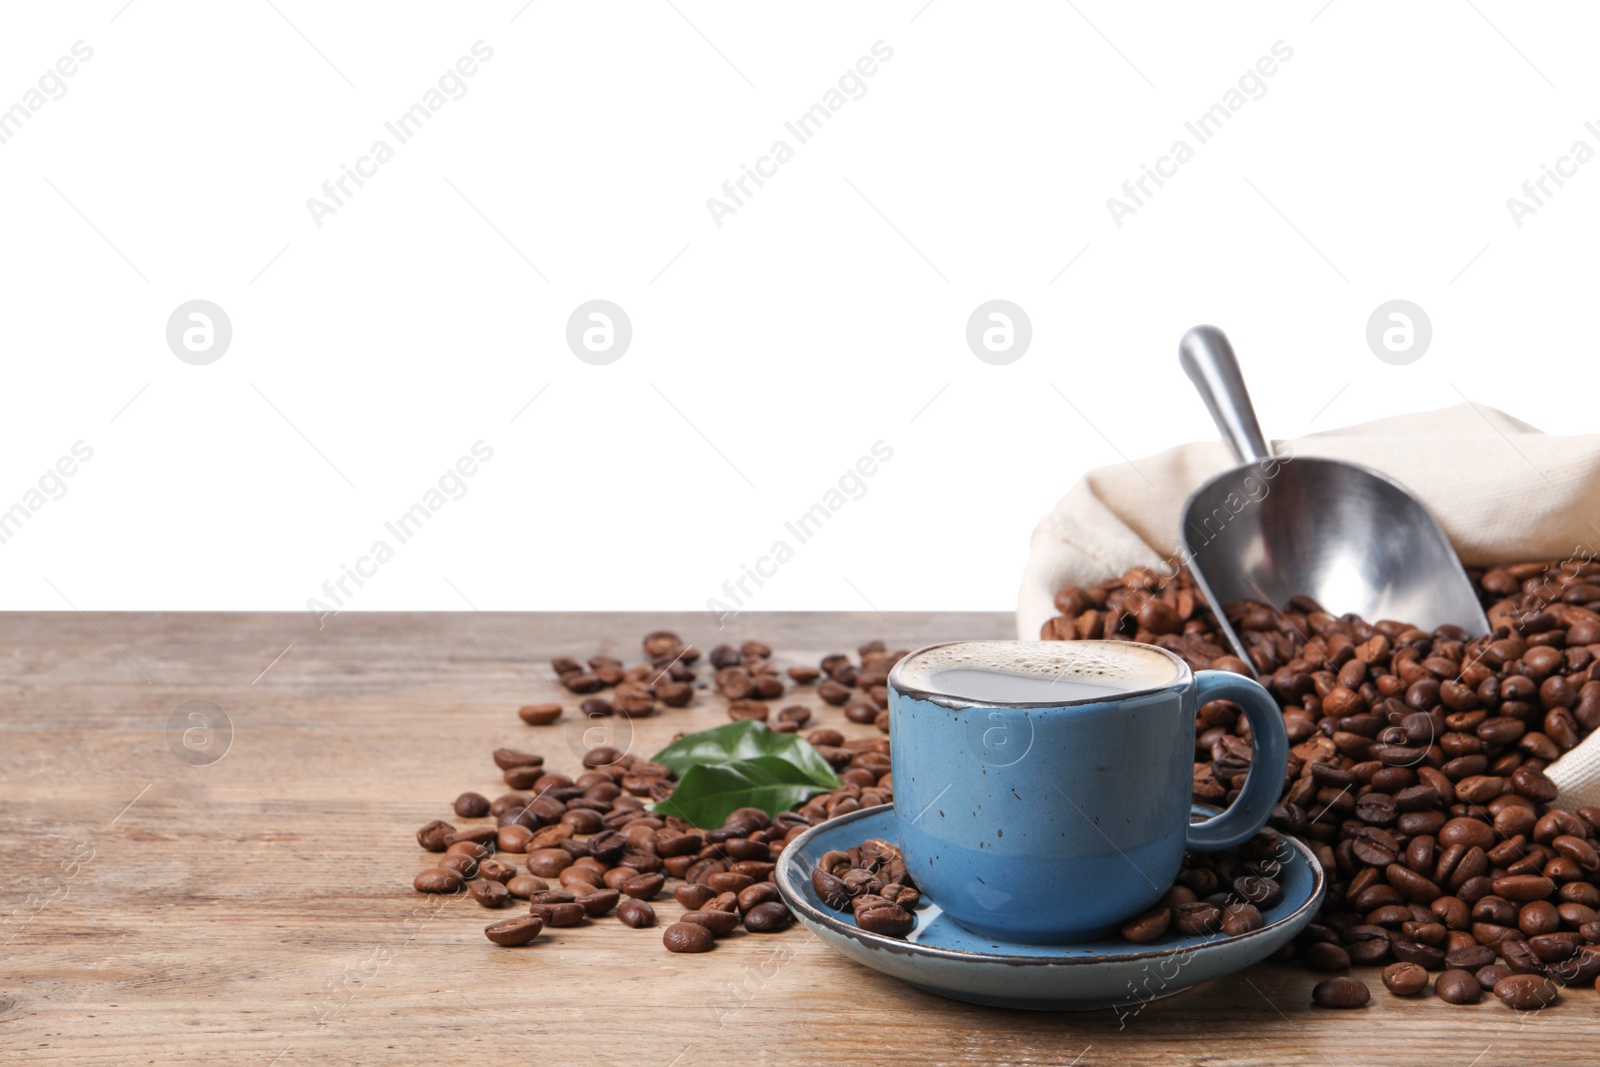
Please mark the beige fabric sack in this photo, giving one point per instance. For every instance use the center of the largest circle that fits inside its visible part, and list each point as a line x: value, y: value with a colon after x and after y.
x: 1503, y: 491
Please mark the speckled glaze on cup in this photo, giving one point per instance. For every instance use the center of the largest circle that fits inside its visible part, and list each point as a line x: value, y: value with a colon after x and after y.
x: 1050, y: 823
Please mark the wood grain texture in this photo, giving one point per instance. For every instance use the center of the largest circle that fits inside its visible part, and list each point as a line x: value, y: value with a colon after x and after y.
x: 258, y: 910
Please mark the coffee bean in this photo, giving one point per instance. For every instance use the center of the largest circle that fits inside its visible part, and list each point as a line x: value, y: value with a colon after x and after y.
x: 438, y: 880
x: 1526, y: 992
x: 760, y: 893
x: 1323, y: 956
x: 465, y: 866
x: 539, y: 714
x: 432, y: 836
x: 507, y: 758
x: 525, y: 886
x: 880, y: 916
x: 472, y: 805
x: 599, y: 902
x: 489, y: 894
x: 688, y: 937
x: 768, y: 917
x: 1405, y: 979
x: 644, y: 886
x: 831, y: 692
x: 1199, y: 918
x: 1375, y: 847
x: 1341, y: 992
x: 636, y: 913
x: 720, y: 923
x: 1472, y: 958
x: 1524, y: 887
x: 1140, y: 930
x: 1239, y: 919
x: 514, y: 932
x: 482, y: 836
x: 548, y: 862
x: 554, y: 915
x: 1488, y: 976
x: 1456, y: 986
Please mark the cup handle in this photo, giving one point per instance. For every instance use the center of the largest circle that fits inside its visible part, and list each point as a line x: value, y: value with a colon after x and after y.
x: 1268, y: 762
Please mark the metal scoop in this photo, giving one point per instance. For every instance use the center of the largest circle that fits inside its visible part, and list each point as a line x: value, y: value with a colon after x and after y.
x: 1352, y: 539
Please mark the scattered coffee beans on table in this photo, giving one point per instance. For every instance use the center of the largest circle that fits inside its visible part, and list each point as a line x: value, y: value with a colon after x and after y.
x: 589, y: 845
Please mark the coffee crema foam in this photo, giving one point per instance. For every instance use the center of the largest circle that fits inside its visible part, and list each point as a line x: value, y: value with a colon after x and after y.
x: 1036, y: 671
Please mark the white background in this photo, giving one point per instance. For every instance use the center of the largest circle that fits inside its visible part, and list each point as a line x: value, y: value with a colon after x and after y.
x: 768, y: 354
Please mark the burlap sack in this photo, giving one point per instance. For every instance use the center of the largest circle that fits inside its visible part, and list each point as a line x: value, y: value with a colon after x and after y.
x: 1503, y: 491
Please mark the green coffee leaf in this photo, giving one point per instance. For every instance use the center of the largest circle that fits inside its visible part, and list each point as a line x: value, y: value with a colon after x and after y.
x: 746, y: 740
x: 708, y: 793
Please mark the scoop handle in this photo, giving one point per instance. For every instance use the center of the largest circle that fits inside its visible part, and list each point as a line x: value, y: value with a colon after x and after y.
x: 1208, y: 360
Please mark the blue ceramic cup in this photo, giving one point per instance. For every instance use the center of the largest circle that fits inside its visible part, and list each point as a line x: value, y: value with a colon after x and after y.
x: 1056, y: 820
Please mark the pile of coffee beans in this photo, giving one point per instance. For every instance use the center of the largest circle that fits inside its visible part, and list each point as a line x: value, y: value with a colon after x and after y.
x: 870, y: 881
x: 578, y: 849
x: 1416, y: 772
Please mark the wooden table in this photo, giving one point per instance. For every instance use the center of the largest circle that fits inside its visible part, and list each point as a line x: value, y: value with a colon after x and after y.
x: 257, y: 910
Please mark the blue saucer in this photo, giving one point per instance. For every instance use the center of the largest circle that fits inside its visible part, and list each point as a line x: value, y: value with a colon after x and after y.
x: 943, y: 958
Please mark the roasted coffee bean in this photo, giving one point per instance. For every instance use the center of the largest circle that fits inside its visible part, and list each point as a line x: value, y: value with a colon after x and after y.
x: 831, y: 692
x: 1457, y: 986
x: 1324, y: 956
x: 636, y: 913
x: 1374, y: 846
x: 465, y: 866
x: 507, y: 758
x: 1473, y: 958
x: 514, y: 932
x: 687, y: 937
x: 525, y: 886
x: 769, y: 917
x: 720, y: 923
x: 539, y: 714
x: 879, y: 916
x: 1405, y: 979
x: 1196, y: 919
x: 1341, y: 992
x: 1146, y: 927
x: 1259, y: 890
x: 438, y: 880
x: 694, y: 895
x: 548, y: 862
x: 1526, y: 992
x: 482, y: 836
x: 1524, y: 887
x: 599, y: 902
x: 760, y: 893
x: 554, y: 915
x: 644, y: 886
x: 432, y: 836
x: 552, y: 896
x: 472, y: 805
x: 1488, y: 976
x: 489, y: 894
